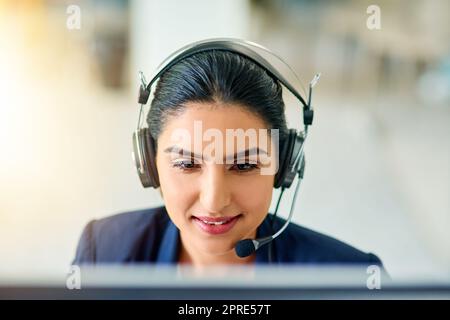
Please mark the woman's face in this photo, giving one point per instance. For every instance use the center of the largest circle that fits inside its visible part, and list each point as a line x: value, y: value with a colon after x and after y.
x: 214, y: 202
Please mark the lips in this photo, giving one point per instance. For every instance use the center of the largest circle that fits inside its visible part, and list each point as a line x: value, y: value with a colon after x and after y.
x: 215, y: 225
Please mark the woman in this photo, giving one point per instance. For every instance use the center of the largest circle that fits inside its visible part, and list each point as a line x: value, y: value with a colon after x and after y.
x: 210, y: 205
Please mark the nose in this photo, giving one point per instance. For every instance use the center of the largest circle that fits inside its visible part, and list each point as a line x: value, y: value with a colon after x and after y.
x: 215, y: 194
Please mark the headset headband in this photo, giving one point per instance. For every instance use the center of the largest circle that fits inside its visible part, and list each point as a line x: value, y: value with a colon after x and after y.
x: 238, y: 46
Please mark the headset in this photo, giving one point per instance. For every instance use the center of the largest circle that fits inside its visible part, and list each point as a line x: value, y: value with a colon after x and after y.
x: 291, y: 156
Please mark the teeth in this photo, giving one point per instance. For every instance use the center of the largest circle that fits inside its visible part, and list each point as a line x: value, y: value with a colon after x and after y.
x: 215, y: 223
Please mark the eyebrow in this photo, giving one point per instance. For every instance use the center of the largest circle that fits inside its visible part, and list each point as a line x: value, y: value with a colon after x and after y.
x: 246, y: 153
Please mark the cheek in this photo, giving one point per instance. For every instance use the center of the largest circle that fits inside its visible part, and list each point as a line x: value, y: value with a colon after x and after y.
x: 254, y: 195
x: 178, y: 192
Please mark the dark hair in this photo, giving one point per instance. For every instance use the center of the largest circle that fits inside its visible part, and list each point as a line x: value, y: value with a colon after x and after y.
x: 217, y: 76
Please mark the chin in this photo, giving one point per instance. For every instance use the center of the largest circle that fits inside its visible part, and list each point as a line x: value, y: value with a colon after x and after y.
x: 218, y: 249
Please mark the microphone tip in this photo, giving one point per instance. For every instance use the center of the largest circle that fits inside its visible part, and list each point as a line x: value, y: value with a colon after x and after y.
x: 244, y: 248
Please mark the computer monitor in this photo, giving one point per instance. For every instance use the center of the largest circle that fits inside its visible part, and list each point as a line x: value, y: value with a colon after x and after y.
x: 229, y: 283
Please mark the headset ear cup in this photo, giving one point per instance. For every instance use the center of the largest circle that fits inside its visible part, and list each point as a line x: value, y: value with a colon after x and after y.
x: 283, y: 156
x: 144, y: 158
x: 297, y: 158
x: 281, y: 153
x: 150, y: 158
x: 138, y: 157
x: 289, y: 166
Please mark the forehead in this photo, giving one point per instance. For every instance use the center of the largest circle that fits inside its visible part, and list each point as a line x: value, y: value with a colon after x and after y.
x: 212, y: 116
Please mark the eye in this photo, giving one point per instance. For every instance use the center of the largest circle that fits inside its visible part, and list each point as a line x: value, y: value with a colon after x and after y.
x: 185, y: 165
x: 244, y: 167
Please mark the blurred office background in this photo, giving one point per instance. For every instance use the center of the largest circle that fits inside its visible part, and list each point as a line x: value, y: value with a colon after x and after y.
x: 378, y: 160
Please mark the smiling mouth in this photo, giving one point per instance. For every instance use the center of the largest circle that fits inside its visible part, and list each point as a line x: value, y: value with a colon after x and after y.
x: 215, y: 225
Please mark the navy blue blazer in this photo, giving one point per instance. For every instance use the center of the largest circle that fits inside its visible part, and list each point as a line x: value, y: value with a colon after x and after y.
x: 150, y: 236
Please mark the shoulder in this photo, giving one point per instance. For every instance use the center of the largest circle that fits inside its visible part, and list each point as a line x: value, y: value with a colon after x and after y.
x: 309, y: 246
x: 123, y: 237
x: 136, y: 221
